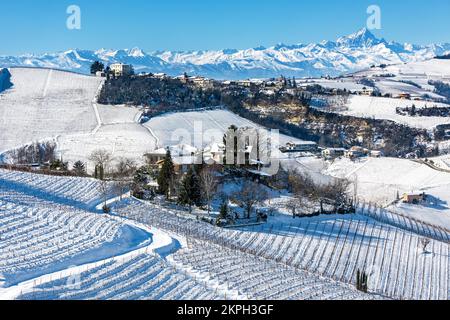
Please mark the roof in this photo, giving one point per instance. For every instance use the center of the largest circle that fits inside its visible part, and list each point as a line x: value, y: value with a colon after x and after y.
x: 259, y: 173
x: 215, y: 148
x: 414, y: 194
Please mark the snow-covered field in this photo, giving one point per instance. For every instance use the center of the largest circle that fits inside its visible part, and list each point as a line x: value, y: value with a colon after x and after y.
x: 380, y: 180
x: 44, y: 104
x: 39, y: 236
x: 82, y: 193
x: 385, y: 108
x: 60, y: 106
x: 144, y: 277
x: 129, y: 140
x: 435, y: 69
x: 313, y: 258
x: 332, y: 247
x: 199, y: 128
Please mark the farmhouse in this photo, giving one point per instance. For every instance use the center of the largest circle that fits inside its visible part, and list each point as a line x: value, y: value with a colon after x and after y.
x: 405, y: 96
x: 155, y: 156
x: 214, y: 152
x: 366, y: 91
x: 330, y: 153
x: 414, y: 197
x: 376, y: 154
x: 299, y: 147
x: 356, y: 152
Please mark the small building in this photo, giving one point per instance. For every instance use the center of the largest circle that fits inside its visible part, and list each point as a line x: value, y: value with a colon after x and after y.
x: 366, y: 91
x: 202, y: 82
x: 160, y: 76
x: 155, y: 156
x: 245, y: 83
x: 100, y: 74
x: 414, y: 197
x: 292, y: 147
x: 181, y: 164
x: 330, y: 153
x: 214, y: 152
x: 120, y: 69
x: 405, y: 96
x: 376, y: 154
x: 356, y: 152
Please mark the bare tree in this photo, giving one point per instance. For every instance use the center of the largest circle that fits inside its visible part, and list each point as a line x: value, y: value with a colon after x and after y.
x: 334, y: 193
x: 101, y: 158
x: 295, y: 205
x: 122, y: 175
x: 355, y: 187
x: 337, y: 194
x: 425, y: 242
x: 103, y: 188
x: 249, y: 195
x: 209, y: 185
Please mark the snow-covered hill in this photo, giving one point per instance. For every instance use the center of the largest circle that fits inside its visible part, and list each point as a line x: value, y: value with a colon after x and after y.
x: 347, y: 54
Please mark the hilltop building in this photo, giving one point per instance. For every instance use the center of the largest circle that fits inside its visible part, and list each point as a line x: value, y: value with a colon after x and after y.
x: 120, y: 69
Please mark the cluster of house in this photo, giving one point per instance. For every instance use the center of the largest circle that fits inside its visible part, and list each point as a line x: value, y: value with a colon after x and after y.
x: 185, y: 156
x: 352, y: 153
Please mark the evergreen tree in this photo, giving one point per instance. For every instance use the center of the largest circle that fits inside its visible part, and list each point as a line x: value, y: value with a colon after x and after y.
x: 190, y: 190
x: 223, y: 210
x: 79, y: 168
x: 166, y: 175
x: 97, y: 66
x: 362, y: 281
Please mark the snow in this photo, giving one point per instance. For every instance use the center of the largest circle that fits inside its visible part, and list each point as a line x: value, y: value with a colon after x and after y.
x: 379, y: 181
x: 436, y: 210
x: 200, y: 128
x: 385, y: 108
x: 351, y: 53
x: 44, y: 240
x: 43, y: 104
x: 330, y: 247
x: 308, y: 258
x: 128, y: 140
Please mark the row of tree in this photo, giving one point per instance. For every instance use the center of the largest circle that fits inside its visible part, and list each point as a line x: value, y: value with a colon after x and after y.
x: 315, y: 197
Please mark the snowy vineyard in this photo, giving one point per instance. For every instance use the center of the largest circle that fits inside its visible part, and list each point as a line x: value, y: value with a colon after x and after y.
x: 34, y: 233
x: 333, y: 248
x: 145, y: 277
x: 408, y: 223
x: 257, y: 278
x: 43, y: 223
x: 72, y: 191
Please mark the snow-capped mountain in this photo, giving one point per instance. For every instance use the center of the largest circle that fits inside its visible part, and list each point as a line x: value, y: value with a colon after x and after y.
x: 347, y: 54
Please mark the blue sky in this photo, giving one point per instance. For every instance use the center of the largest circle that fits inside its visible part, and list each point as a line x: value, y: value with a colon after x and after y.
x: 37, y: 26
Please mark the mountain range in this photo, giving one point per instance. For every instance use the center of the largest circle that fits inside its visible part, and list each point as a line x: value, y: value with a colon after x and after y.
x: 350, y: 53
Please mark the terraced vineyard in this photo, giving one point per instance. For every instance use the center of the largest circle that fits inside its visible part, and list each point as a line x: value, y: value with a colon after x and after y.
x: 73, y: 191
x: 43, y: 225
x: 35, y: 233
x: 256, y: 278
x: 145, y: 277
x: 334, y: 247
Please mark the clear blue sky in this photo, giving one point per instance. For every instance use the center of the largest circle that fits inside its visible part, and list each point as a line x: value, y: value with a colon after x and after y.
x: 37, y: 26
